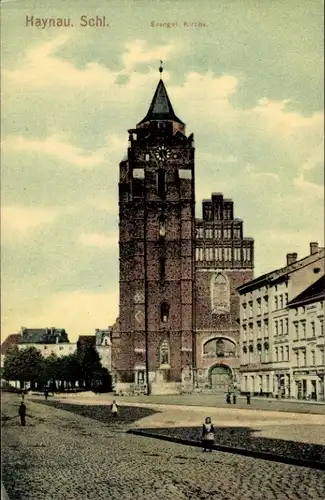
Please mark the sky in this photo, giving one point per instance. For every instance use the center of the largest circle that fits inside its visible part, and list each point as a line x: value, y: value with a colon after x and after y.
x: 249, y: 86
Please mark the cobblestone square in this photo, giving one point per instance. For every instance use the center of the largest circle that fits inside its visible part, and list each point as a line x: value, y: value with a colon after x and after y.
x: 62, y: 455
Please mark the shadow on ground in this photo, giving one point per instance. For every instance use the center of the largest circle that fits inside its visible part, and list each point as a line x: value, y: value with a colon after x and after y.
x: 127, y: 414
x: 245, y: 438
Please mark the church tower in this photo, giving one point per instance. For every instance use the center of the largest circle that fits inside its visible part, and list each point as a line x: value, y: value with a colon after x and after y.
x: 156, y: 341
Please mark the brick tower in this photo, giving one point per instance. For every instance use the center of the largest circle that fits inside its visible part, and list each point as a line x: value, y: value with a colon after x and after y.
x: 156, y: 341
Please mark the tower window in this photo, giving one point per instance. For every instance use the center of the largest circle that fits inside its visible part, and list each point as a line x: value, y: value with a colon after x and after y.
x: 162, y: 267
x: 161, y: 183
x: 162, y: 228
x: 164, y: 312
x: 137, y: 188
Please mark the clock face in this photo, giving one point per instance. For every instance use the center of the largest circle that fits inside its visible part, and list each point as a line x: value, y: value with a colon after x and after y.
x: 162, y: 153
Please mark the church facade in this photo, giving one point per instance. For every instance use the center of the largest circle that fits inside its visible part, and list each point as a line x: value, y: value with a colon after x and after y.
x: 178, y: 325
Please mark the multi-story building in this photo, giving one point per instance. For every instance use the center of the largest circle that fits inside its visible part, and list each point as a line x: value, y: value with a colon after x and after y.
x: 178, y: 275
x: 47, y: 340
x: 224, y: 261
x: 266, y: 329
x: 306, y: 315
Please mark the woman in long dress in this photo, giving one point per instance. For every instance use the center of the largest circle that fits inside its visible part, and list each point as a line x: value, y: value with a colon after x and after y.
x: 207, y: 434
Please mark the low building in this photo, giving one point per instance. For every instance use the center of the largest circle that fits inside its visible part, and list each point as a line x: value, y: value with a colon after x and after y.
x: 306, y: 315
x: 266, y: 328
x: 47, y: 340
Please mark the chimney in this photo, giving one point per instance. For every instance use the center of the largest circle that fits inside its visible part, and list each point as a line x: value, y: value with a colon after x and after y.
x: 313, y: 247
x: 291, y: 258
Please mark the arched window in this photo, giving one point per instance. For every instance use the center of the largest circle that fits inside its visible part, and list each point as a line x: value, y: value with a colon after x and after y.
x: 164, y: 353
x: 220, y: 294
x: 164, y: 312
x: 162, y: 227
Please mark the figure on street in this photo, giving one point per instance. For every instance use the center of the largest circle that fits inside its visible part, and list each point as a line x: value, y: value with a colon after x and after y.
x: 22, y: 413
x: 46, y: 393
x: 207, y: 434
x: 114, y: 408
x: 228, y: 398
x: 249, y: 398
x: 234, y: 398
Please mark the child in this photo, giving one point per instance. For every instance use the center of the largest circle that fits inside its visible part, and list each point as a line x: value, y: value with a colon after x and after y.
x: 114, y: 408
x: 207, y: 434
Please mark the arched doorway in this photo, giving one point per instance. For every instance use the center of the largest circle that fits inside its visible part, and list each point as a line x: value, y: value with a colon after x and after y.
x: 220, y: 378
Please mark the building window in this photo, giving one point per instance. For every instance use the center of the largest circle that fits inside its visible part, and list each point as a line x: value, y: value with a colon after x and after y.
x: 237, y: 256
x: 297, y: 357
x: 164, y: 353
x: 286, y: 326
x: 209, y: 254
x: 281, y: 326
x: 322, y: 356
x: 162, y: 267
x: 259, y: 329
x: 313, y: 358
x: 304, y: 357
x: 228, y: 253
x: 250, y: 331
x: 244, y: 311
x: 218, y: 252
x: 218, y: 233
x: 209, y: 233
x: 266, y: 303
x: 276, y: 303
x: 276, y: 328
x: 321, y: 324
x: 197, y: 254
x: 286, y: 298
x: 276, y: 354
x: 266, y: 328
x: 281, y: 353
x: 287, y: 353
x: 227, y: 214
x: 259, y: 306
x: 162, y: 227
x: 312, y: 325
x: 296, y: 326
x: 207, y: 212
x: 200, y: 254
x: 237, y: 233
x: 227, y: 233
x: 303, y: 326
x: 250, y: 310
x: 164, y: 312
x: 220, y: 294
x: 246, y: 254
x: 281, y: 301
x: 244, y: 330
x: 161, y: 183
x: 199, y: 232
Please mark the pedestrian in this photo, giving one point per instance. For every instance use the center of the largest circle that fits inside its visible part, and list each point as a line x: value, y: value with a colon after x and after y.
x: 234, y: 398
x: 228, y: 398
x: 114, y: 408
x: 22, y: 413
x: 207, y: 434
x: 46, y: 393
x: 249, y: 398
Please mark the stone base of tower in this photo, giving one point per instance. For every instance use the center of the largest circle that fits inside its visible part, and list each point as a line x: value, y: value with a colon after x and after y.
x: 157, y: 385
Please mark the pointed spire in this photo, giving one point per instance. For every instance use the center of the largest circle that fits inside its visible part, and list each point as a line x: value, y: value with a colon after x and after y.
x: 161, y: 107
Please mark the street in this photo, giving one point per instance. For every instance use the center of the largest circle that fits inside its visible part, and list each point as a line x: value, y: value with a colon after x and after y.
x: 60, y: 455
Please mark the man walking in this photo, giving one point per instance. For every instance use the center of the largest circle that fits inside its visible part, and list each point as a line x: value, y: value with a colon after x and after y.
x: 22, y: 413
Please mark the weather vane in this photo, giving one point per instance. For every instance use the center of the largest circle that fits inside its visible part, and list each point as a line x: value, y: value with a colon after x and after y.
x: 161, y: 69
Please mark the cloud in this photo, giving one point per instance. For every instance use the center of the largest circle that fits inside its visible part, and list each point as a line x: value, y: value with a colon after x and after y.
x: 57, y: 147
x: 98, y: 240
x: 17, y: 221
x: 138, y: 52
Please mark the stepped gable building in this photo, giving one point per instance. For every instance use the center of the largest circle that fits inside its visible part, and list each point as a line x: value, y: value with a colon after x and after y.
x: 178, y: 275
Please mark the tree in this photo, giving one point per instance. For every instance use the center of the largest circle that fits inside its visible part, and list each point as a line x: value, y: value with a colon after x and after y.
x: 24, y: 365
x: 90, y: 365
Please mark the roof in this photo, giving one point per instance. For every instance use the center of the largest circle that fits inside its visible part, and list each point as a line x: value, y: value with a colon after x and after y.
x: 313, y: 293
x: 87, y: 339
x: 11, y: 340
x: 43, y: 336
x: 280, y: 274
x: 161, y: 107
